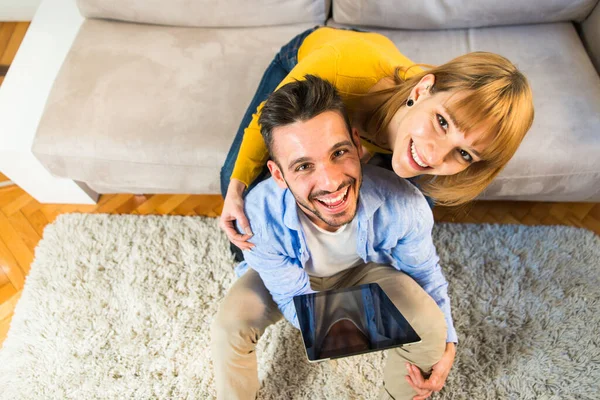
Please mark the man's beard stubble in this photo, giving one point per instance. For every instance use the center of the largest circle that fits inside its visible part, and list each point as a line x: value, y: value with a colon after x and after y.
x: 351, y: 182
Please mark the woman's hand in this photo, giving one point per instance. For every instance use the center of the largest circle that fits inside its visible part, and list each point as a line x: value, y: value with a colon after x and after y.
x: 437, y: 379
x: 233, y: 210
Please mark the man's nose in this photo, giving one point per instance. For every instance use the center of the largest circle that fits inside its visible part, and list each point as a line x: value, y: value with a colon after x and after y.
x: 331, y: 178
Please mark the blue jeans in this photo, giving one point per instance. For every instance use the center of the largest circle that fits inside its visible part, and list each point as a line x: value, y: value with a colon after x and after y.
x: 280, y: 67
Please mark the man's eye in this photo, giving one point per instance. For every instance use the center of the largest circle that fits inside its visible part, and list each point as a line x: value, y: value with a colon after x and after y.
x: 442, y: 121
x: 302, y: 167
x: 466, y: 156
x: 339, y: 153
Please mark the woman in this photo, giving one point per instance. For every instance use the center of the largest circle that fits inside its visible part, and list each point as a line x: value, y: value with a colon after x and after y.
x: 452, y: 127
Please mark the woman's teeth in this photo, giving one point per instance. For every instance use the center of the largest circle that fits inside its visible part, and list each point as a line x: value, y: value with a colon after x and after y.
x: 415, y: 156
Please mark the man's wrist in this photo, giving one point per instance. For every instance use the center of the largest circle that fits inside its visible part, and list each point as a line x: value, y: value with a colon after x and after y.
x: 451, y: 346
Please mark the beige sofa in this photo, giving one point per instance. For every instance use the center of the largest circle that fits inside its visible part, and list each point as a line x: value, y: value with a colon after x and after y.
x: 150, y: 95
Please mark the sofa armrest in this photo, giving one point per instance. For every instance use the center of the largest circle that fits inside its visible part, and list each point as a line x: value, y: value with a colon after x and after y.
x: 590, y: 34
x: 23, y: 96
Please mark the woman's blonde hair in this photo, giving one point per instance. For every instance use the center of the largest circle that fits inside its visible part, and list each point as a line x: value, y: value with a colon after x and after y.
x: 498, y: 100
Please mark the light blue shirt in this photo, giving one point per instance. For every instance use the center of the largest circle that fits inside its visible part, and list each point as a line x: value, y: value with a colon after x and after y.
x: 394, y: 228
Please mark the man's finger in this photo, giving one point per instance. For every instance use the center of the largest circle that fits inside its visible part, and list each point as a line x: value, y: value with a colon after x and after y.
x: 435, y: 382
x: 422, y: 396
x: 415, y: 374
x: 415, y: 387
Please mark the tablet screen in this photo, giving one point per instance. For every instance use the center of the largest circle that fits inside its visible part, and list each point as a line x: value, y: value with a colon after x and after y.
x: 345, y: 322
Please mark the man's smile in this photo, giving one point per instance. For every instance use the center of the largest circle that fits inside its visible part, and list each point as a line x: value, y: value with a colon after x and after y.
x: 335, y: 202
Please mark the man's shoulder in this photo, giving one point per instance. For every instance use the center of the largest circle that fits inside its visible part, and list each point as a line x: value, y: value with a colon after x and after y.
x: 401, y: 207
x: 265, y: 205
x: 386, y: 182
x: 396, y: 192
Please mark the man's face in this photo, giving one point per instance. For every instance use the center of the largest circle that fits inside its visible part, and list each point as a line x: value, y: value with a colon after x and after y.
x: 319, y: 163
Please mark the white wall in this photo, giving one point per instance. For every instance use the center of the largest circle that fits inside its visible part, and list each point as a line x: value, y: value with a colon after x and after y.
x: 18, y: 10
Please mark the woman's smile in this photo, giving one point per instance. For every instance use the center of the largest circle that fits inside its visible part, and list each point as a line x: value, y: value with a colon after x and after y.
x: 414, y: 159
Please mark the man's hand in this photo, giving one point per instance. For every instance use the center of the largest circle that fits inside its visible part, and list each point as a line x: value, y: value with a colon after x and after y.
x: 439, y: 373
x: 233, y: 210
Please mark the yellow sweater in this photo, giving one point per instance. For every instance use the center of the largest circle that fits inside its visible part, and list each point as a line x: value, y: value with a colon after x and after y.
x: 352, y: 61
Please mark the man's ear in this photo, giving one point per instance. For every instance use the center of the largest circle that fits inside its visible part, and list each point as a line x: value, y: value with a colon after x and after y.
x: 276, y: 174
x: 356, y: 141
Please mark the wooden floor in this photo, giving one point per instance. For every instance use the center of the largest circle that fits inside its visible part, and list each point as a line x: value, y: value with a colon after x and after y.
x: 22, y: 218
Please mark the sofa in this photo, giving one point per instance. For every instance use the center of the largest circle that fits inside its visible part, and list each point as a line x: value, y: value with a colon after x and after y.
x: 150, y: 94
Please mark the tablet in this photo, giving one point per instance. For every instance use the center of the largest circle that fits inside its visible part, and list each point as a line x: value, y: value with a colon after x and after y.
x: 350, y: 321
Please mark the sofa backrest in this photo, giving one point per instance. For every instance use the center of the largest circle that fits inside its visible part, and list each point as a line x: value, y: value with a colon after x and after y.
x: 435, y: 14
x: 208, y: 13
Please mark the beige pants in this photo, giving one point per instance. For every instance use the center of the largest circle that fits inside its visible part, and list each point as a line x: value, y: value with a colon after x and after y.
x: 248, y: 309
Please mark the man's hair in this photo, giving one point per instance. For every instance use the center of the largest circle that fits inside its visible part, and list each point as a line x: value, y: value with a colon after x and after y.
x: 301, y: 100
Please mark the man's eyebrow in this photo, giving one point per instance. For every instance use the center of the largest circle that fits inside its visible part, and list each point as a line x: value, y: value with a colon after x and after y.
x: 333, y: 148
x: 341, y: 144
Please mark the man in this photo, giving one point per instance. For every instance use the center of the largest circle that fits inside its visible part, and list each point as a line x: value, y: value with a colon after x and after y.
x: 322, y: 222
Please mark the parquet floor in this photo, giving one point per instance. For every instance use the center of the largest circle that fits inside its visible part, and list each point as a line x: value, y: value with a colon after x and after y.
x: 22, y: 218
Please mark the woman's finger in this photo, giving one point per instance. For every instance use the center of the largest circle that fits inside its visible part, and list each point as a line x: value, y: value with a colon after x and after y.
x: 242, y: 221
x: 243, y: 244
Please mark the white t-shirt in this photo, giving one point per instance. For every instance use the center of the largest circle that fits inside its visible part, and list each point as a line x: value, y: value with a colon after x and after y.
x: 330, y: 252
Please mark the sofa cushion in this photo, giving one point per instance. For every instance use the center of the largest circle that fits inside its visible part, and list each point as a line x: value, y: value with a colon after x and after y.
x: 153, y: 107
x: 590, y: 33
x: 559, y: 158
x: 433, y: 14
x: 209, y: 13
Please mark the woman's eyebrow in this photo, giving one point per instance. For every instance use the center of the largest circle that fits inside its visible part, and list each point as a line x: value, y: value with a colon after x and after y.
x: 476, y: 153
x: 451, y: 116
x: 453, y: 119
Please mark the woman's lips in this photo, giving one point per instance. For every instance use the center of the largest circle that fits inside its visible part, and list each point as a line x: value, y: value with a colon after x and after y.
x: 411, y: 160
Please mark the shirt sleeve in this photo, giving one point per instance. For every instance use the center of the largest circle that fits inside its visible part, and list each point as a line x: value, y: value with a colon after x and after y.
x: 253, y: 153
x: 416, y: 255
x: 283, y: 276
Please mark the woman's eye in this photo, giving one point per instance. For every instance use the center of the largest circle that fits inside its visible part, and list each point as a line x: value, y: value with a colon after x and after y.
x: 339, y: 153
x: 466, y: 156
x: 442, y: 121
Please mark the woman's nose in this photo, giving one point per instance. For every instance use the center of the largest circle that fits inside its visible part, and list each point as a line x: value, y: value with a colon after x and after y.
x: 435, y: 153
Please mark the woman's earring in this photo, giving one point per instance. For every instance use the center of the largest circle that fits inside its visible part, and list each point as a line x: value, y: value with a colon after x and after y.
x: 410, y: 102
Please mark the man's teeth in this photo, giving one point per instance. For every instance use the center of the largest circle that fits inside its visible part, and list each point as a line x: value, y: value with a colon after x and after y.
x: 415, y: 156
x: 334, y: 200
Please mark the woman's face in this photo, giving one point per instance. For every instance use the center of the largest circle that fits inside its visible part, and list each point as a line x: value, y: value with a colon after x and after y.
x: 425, y: 139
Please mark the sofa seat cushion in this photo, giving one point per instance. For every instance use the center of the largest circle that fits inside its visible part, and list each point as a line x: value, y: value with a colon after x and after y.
x: 153, y: 107
x: 559, y: 160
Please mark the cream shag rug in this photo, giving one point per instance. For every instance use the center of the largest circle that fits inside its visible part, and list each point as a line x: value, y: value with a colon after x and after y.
x: 119, y: 307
